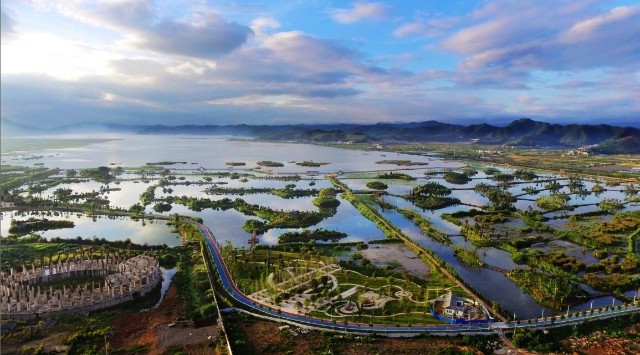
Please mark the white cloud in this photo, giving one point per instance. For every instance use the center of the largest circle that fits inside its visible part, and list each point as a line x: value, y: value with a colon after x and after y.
x: 202, y: 33
x: 54, y: 56
x: 572, y: 36
x: 188, y: 68
x: 427, y: 27
x: 409, y: 29
x: 261, y: 25
x: 584, y: 30
x: 108, y: 96
x: 360, y: 11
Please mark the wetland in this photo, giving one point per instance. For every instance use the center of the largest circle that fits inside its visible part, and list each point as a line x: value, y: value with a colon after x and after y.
x: 512, y: 235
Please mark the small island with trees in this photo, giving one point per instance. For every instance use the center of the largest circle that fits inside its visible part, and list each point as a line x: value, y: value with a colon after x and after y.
x: 270, y: 164
x: 326, y: 199
x: 309, y: 163
x: 377, y: 185
x: 21, y: 227
x: 401, y: 162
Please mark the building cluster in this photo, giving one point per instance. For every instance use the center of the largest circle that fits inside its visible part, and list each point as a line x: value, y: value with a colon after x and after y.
x: 453, y: 306
x: 25, y: 294
x: 577, y: 152
x: 490, y: 152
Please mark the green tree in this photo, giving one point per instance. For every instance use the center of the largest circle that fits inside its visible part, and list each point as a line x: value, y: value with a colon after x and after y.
x: 327, y: 193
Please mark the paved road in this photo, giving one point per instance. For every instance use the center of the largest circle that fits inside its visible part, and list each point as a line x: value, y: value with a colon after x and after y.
x: 262, y: 310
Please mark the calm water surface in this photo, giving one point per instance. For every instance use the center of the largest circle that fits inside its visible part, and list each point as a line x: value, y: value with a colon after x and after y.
x: 152, y: 232
x: 213, y: 153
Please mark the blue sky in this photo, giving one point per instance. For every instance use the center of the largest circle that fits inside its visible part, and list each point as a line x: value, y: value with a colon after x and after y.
x: 316, y: 61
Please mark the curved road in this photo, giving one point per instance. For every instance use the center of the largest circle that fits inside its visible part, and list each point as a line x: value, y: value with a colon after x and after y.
x: 256, y: 308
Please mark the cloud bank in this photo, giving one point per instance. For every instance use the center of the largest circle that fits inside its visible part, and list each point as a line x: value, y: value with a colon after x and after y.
x: 143, y: 61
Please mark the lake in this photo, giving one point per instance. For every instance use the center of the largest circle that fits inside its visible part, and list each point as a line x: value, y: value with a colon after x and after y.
x: 212, y: 153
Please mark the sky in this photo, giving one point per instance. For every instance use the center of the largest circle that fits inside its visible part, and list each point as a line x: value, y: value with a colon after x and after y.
x: 315, y: 61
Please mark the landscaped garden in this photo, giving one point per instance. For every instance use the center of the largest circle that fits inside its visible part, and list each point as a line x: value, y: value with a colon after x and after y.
x: 311, y: 281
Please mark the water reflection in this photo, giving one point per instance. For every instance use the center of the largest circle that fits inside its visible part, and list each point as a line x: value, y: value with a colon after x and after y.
x: 151, y: 232
x: 492, y: 285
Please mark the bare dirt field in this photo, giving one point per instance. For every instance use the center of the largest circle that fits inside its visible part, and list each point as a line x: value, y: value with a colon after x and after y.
x: 158, y: 330
x: 408, y: 261
x: 598, y: 343
x: 267, y: 338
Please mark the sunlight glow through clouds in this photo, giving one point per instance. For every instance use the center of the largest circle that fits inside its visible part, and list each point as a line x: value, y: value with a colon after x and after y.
x: 108, y: 97
x: 285, y: 101
x: 51, y: 55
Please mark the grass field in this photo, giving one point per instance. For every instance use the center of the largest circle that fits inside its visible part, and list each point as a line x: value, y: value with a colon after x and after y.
x: 550, y: 159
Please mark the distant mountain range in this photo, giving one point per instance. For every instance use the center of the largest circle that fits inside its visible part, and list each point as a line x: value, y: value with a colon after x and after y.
x: 522, y: 132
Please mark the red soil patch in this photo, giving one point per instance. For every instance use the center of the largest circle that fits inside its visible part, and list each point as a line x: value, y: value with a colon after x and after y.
x: 140, y: 328
x: 598, y: 343
x: 266, y: 338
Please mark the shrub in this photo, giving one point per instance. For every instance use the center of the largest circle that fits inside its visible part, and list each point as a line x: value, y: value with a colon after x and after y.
x: 377, y: 185
x: 456, y: 178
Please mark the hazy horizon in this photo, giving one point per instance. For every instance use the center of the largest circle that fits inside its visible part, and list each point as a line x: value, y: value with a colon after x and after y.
x: 288, y: 62
x: 107, y: 127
